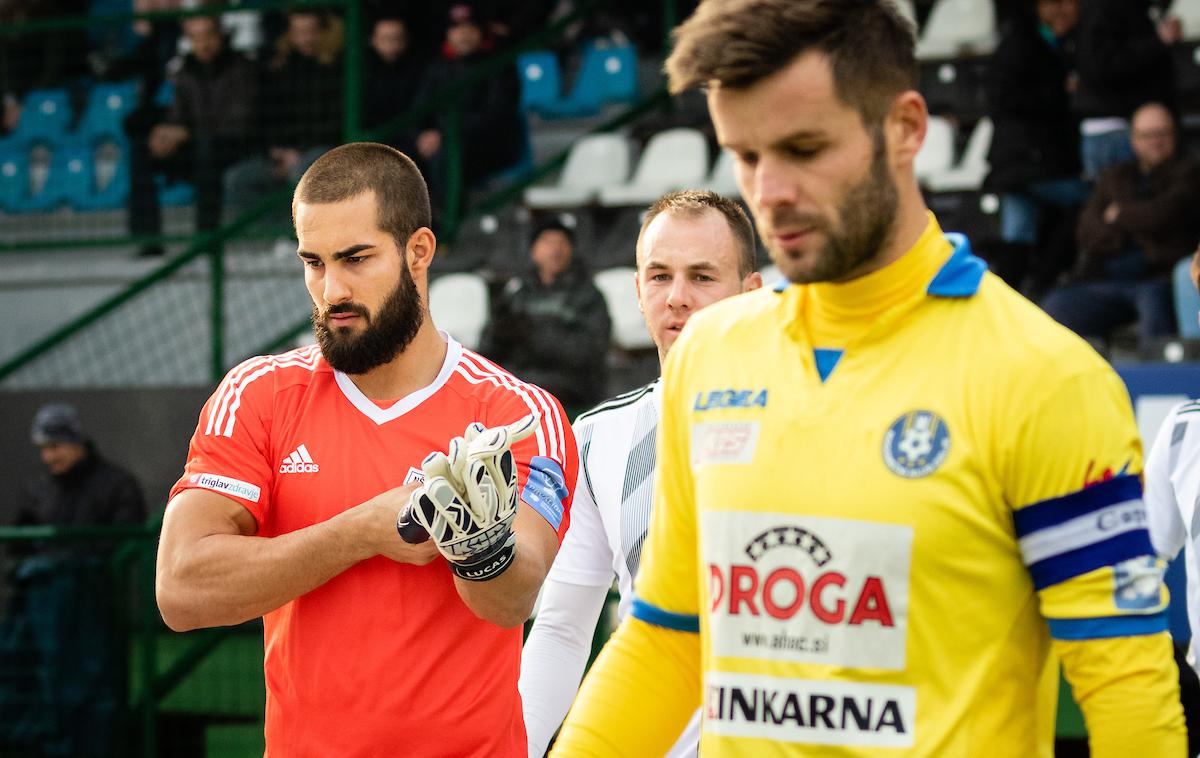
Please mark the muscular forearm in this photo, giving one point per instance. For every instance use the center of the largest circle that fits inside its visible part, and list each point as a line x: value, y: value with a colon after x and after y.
x: 223, y: 579
x: 508, y: 599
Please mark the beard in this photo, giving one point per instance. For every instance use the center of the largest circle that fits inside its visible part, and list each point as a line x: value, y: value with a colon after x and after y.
x: 866, y: 211
x: 386, y: 334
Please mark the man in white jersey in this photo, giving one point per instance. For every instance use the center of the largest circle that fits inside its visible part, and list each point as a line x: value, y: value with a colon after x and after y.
x: 694, y: 249
x: 1173, y: 509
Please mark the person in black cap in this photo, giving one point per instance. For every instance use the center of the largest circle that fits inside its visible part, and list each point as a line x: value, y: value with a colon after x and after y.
x: 550, y: 325
x: 56, y: 641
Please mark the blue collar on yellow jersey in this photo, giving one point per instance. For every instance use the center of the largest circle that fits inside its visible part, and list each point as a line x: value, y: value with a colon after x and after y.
x: 959, y: 276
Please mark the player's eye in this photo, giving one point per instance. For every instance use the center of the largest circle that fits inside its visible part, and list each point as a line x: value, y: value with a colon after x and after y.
x: 661, y: 278
x: 311, y: 262
x: 355, y: 259
x: 704, y: 278
x: 748, y: 159
x: 803, y: 152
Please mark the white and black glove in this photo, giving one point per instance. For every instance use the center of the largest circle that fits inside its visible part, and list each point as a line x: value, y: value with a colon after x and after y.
x: 468, y: 501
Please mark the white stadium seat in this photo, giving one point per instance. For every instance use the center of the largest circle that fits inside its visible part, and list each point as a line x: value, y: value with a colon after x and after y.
x: 459, y: 305
x: 972, y: 168
x: 673, y: 159
x: 723, y: 180
x: 955, y: 27
x: 937, y: 152
x: 595, y: 161
x: 1188, y: 12
x: 620, y: 293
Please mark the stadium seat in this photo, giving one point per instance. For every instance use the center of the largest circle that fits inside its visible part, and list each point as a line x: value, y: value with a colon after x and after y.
x: 540, y: 85
x: 244, y: 29
x: 723, y: 178
x: 45, y: 117
x: 175, y: 195
x: 607, y: 73
x: 104, y: 115
x: 972, y: 167
x: 459, y: 305
x: 14, y: 178
x: 673, y: 159
x: 957, y: 27
x: 1188, y: 12
x: 99, y: 178
x: 937, y: 153
x: 907, y: 10
x: 618, y: 285
x: 595, y: 161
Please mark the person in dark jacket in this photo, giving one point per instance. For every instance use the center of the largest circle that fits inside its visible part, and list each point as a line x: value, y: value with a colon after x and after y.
x: 551, y: 326
x: 1138, y: 223
x: 208, y: 126
x: 59, y: 694
x: 301, y: 111
x: 1124, y: 63
x: 1034, y: 155
x: 490, y: 127
x: 394, y: 75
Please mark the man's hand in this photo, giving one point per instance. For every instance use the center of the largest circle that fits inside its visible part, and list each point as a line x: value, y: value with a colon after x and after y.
x: 165, y: 139
x: 469, y: 499
x: 1112, y: 213
x: 379, y: 515
x: 429, y: 142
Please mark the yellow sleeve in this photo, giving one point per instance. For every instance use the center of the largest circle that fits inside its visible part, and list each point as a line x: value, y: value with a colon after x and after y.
x: 1129, y: 697
x: 643, y: 688
x: 1073, y: 478
x: 645, y: 685
x: 1072, y: 474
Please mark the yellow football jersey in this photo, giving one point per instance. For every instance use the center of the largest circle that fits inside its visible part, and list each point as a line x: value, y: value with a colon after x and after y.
x: 876, y: 543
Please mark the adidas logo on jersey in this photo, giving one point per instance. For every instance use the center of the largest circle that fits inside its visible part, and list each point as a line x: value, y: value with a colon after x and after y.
x: 299, y: 462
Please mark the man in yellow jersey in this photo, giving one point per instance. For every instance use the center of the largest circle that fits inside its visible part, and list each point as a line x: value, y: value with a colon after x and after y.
x: 892, y: 493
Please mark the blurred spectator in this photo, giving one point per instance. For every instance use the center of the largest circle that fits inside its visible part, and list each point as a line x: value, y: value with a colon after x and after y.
x: 1034, y: 156
x: 38, y: 60
x: 394, y: 74
x: 490, y: 127
x: 1139, y: 222
x: 1124, y: 63
x: 550, y: 326
x: 207, y: 127
x: 301, y: 110
x: 59, y: 625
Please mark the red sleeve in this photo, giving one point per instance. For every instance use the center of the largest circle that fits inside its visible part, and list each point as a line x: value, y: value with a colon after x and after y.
x: 548, y: 460
x: 230, y: 450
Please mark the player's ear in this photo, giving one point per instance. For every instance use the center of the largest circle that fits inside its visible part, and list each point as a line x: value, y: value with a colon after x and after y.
x: 752, y: 281
x: 904, y: 128
x: 420, y: 249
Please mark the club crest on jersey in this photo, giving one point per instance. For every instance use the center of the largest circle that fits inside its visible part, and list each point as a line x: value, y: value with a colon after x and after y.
x: 717, y: 399
x: 916, y: 444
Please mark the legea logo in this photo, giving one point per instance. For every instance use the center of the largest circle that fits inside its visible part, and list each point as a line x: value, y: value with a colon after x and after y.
x: 717, y: 399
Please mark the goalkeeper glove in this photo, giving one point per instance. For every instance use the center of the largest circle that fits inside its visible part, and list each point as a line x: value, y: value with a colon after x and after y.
x: 469, y: 500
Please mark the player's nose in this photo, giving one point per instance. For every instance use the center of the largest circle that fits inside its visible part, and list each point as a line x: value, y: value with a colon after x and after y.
x: 772, y: 184
x: 678, y: 296
x: 335, y: 289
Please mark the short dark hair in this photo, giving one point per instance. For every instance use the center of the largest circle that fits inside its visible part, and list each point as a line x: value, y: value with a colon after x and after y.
x: 350, y: 170
x: 553, y: 225
x: 736, y: 43
x: 693, y: 203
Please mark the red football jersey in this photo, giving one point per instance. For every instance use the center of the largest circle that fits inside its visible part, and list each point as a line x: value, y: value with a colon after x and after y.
x: 383, y: 659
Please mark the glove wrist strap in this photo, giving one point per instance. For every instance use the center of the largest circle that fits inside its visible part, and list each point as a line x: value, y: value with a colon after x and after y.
x: 486, y: 568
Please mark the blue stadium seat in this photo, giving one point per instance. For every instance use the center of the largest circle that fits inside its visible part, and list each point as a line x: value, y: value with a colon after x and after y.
x: 538, y: 71
x: 620, y: 74
x: 45, y: 117
x: 104, y: 115
x: 177, y: 195
x: 14, y: 178
x: 76, y: 176
x: 607, y: 73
